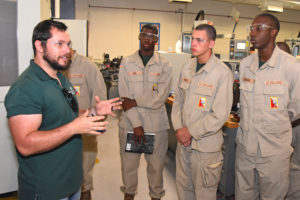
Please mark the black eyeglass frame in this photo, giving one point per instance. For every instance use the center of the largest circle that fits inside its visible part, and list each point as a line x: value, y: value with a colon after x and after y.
x: 70, y: 99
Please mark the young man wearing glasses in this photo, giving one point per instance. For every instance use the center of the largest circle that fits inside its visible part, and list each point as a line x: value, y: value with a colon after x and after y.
x: 269, y: 99
x: 88, y: 83
x: 43, y: 117
x: 144, y: 84
x: 203, y: 100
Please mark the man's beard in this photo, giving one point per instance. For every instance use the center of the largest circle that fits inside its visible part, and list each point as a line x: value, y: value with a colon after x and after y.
x: 54, y: 64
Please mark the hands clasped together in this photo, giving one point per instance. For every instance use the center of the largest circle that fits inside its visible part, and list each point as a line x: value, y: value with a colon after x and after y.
x: 183, y: 136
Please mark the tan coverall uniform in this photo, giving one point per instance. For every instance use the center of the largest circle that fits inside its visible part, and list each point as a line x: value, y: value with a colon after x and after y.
x: 202, y: 103
x: 269, y: 98
x: 294, y: 186
x: 88, y: 83
x: 149, y: 86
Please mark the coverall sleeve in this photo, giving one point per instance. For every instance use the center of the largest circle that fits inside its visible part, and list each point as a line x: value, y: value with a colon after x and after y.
x: 294, y: 103
x: 124, y: 91
x: 155, y: 99
x: 96, y: 84
x: 220, y: 110
x: 176, y: 115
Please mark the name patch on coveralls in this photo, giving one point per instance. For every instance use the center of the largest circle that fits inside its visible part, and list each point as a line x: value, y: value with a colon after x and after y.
x: 250, y: 80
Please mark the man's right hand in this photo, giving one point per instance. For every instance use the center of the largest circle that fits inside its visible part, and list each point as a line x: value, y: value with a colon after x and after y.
x: 139, y: 134
x: 183, y: 136
x: 85, y: 124
x: 128, y: 103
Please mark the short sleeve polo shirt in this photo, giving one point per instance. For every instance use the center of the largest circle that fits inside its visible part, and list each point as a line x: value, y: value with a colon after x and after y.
x: 57, y: 173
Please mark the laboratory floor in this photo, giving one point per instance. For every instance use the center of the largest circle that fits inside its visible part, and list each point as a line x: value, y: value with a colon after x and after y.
x: 107, y: 171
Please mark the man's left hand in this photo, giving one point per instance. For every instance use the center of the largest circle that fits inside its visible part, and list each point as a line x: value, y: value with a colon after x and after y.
x: 106, y: 107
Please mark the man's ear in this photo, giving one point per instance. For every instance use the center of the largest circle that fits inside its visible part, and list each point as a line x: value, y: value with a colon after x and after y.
x: 39, y: 46
x: 211, y: 44
x: 274, y: 33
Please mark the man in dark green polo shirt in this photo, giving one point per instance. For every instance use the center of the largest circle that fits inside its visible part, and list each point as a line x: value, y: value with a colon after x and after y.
x: 43, y: 118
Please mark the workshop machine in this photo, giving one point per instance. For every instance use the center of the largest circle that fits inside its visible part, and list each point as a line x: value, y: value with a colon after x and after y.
x: 110, y: 70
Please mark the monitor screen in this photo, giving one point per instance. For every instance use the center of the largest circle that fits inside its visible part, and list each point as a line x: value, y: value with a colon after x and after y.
x: 241, y: 45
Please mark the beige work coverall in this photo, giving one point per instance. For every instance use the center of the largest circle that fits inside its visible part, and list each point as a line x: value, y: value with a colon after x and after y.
x: 202, y: 103
x: 149, y: 85
x: 88, y: 83
x: 269, y: 99
x: 294, y: 186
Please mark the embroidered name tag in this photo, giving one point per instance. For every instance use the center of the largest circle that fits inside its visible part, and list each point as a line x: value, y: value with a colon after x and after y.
x: 202, y: 102
x: 186, y: 80
x: 135, y: 73
x: 153, y: 74
x: 274, y: 82
x: 201, y: 84
x: 274, y: 102
x: 76, y: 75
x: 250, y: 80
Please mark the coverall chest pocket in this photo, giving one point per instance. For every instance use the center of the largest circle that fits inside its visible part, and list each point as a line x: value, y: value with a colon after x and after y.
x: 274, y: 98
x: 154, y: 74
x: 153, y: 80
x: 203, y: 98
x: 184, y: 86
x: 135, y: 80
x: 79, y: 86
x: 246, y: 91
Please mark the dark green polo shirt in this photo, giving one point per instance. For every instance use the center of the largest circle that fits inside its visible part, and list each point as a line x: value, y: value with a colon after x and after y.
x: 199, y: 66
x: 260, y: 63
x: 57, y: 173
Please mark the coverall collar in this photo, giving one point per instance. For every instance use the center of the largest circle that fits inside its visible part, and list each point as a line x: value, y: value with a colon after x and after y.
x: 269, y: 63
x: 138, y: 60
x: 207, y: 67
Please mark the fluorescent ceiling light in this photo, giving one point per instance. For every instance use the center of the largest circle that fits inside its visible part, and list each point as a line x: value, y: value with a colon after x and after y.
x: 295, y: 2
x: 181, y: 1
x: 274, y: 6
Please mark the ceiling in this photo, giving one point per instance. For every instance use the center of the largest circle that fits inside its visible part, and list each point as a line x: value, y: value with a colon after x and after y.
x: 286, y: 4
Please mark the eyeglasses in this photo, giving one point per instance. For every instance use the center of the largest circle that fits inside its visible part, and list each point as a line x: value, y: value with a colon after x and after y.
x: 70, y: 99
x: 199, y: 40
x: 149, y: 36
x: 258, y: 27
x: 61, y: 44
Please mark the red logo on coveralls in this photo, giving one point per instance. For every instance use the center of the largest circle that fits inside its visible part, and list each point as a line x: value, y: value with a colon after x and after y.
x: 274, y: 102
x: 202, y: 102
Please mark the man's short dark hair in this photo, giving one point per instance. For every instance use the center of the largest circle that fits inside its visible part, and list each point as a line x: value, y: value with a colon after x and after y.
x: 210, y: 30
x: 151, y: 27
x: 274, y: 19
x: 42, y: 31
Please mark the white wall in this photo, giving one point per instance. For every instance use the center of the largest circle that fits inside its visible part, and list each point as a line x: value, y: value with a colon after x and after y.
x: 77, y: 30
x: 115, y: 31
x: 28, y: 17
